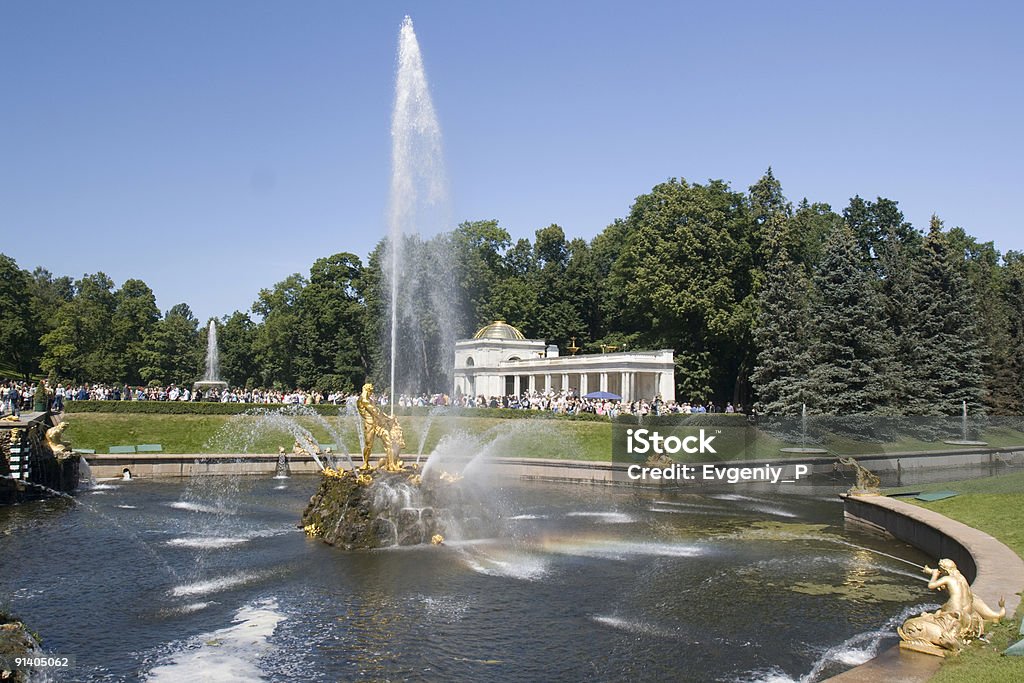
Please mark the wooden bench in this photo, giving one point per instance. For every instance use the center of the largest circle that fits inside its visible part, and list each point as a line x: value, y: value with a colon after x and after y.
x: 120, y: 450
x: 149, y: 448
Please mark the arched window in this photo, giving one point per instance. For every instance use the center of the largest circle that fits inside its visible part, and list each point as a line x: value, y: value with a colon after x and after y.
x: 513, y: 358
x: 469, y: 362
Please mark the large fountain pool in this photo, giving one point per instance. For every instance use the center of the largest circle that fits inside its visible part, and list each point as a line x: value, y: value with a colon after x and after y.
x: 210, y: 580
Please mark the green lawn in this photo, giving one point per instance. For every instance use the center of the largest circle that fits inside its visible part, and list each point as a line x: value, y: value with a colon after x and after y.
x: 996, y: 506
x: 545, y: 438
x: 240, y: 434
x: 997, y: 437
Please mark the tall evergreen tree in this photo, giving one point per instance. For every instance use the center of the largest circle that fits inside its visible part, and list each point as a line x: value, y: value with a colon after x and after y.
x: 770, y: 213
x: 901, y: 288
x: 1013, y: 400
x: 988, y: 280
x: 781, y: 335
x: 947, y: 366
x: 851, y: 354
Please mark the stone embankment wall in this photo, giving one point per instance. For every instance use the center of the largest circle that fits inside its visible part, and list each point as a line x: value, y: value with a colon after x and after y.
x: 994, y: 570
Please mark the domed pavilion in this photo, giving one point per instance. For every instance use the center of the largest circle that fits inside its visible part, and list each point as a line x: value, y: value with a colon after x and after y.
x: 500, y: 361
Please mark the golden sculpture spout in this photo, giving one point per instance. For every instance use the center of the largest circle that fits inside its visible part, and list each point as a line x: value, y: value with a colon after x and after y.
x: 333, y: 473
x: 377, y: 425
x: 959, y: 621
x: 55, y: 441
x: 868, y: 484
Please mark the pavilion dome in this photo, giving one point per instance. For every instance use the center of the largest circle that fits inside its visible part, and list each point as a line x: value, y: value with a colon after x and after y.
x: 499, y: 329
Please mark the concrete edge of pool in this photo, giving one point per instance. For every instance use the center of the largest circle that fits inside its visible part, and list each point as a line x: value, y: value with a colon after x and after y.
x: 582, y: 471
x: 995, y: 571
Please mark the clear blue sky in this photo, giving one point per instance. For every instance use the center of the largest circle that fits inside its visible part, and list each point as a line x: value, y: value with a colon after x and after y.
x: 212, y: 148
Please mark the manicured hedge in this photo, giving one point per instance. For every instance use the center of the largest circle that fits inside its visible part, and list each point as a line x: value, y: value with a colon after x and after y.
x: 687, y: 420
x: 178, y: 407
x: 203, y: 408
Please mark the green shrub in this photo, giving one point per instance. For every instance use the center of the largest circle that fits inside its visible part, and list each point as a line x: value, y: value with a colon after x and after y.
x: 179, y: 407
x: 687, y: 420
x: 327, y: 409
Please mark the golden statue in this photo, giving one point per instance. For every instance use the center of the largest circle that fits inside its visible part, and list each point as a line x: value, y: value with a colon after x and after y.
x: 960, y: 620
x: 55, y: 441
x: 867, y: 481
x: 377, y: 425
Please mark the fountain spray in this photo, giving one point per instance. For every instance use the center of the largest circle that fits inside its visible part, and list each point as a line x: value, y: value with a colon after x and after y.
x: 418, y: 180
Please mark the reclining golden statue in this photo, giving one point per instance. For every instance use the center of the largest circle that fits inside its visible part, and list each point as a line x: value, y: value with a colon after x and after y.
x: 377, y: 425
x: 959, y: 621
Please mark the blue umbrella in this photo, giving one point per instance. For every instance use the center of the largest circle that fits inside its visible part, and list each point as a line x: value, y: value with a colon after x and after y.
x: 603, y: 394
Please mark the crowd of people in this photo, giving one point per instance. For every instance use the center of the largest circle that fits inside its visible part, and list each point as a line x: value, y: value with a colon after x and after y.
x: 118, y: 392
x: 567, y: 403
x: 18, y: 396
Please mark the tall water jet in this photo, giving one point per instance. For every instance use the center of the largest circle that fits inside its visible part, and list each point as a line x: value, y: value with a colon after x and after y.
x: 391, y: 504
x: 803, y: 447
x: 211, y: 379
x: 212, y: 354
x: 418, y: 202
x: 965, y: 439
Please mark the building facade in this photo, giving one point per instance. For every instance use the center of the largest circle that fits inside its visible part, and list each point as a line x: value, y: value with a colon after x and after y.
x: 500, y: 361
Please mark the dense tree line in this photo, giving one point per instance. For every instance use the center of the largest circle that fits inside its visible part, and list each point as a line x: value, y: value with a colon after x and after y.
x: 765, y: 303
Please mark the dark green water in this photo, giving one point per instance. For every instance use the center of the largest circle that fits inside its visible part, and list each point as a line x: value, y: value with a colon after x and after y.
x: 210, y: 580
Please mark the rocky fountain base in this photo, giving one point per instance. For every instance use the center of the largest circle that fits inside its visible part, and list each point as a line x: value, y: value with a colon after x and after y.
x: 393, y: 503
x: 379, y: 509
x: 16, y: 640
